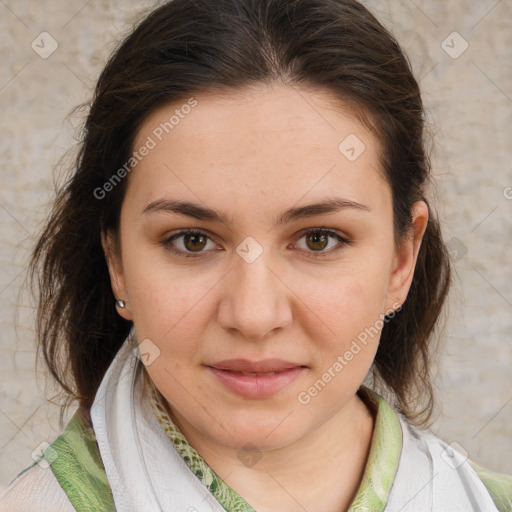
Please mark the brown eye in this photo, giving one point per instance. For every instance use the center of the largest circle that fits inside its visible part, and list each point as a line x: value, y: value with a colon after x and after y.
x: 194, y: 242
x: 187, y: 243
x: 318, y: 240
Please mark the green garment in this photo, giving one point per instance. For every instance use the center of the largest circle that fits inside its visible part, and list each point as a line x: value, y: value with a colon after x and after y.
x: 76, y: 463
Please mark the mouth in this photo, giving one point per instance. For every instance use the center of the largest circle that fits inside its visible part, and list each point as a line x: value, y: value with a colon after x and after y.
x: 251, y: 374
x: 256, y: 380
x: 245, y: 366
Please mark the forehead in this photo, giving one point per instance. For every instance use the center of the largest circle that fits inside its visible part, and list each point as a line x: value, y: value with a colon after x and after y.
x: 275, y: 141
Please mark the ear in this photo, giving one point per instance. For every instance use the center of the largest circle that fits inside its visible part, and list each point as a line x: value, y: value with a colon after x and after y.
x: 404, y: 261
x: 115, y: 268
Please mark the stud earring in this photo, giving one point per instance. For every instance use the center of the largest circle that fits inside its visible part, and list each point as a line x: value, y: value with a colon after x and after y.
x: 121, y: 303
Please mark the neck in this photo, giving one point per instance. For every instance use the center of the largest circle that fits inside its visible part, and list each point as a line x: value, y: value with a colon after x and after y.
x: 307, y: 469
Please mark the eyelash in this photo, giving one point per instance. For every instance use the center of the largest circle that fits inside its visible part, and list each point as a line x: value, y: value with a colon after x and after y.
x: 316, y: 254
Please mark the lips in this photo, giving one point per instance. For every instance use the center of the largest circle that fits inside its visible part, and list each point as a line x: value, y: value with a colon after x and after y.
x: 244, y: 366
x: 255, y: 379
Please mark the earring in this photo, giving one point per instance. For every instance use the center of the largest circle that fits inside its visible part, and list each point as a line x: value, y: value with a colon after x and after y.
x: 121, y: 303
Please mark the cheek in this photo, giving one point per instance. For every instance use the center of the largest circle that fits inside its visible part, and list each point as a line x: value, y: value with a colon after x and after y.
x: 347, y: 300
x: 167, y: 302
x: 345, y: 321
x: 345, y: 343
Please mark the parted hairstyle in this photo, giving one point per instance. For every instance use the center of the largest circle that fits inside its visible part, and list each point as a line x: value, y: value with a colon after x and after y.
x: 183, y: 48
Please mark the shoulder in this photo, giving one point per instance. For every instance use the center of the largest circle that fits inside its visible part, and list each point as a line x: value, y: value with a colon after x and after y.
x: 35, y: 490
x: 69, y: 475
x: 498, y: 485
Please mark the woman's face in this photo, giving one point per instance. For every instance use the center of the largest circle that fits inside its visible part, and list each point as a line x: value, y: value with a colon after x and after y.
x: 259, y: 175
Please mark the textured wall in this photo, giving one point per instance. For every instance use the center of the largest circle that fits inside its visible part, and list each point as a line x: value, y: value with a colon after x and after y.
x: 468, y: 92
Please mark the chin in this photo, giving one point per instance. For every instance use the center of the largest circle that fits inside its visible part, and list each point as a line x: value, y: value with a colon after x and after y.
x: 254, y: 433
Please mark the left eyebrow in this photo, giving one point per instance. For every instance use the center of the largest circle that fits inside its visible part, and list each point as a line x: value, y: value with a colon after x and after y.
x: 200, y: 212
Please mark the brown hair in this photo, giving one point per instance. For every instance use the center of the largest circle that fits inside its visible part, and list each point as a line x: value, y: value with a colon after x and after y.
x: 186, y: 47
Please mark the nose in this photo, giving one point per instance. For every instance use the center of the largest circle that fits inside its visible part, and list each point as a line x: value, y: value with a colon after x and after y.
x: 255, y: 299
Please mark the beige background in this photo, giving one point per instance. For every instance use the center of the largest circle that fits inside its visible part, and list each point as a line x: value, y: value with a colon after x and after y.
x: 469, y: 100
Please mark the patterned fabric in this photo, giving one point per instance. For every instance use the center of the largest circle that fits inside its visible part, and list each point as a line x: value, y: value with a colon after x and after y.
x: 384, y: 456
x: 75, y: 461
